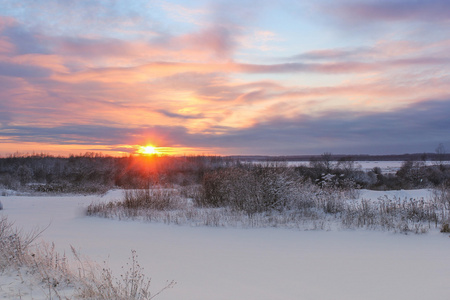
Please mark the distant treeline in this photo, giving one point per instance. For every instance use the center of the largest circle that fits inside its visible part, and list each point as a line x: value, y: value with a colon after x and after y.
x: 356, y: 157
x: 94, y: 173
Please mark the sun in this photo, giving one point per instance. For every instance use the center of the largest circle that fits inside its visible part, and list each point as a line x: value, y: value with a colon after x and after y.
x: 148, y: 150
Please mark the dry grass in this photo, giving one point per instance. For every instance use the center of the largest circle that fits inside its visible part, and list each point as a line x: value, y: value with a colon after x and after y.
x: 61, y: 278
x: 310, y: 207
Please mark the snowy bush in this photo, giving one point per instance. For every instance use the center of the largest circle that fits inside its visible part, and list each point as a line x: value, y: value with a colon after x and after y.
x: 441, y: 194
x: 254, y: 189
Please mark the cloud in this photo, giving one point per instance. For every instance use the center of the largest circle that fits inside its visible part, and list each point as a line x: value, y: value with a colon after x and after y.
x: 253, y: 96
x: 96, y: 48
x: 215, y: 30
x: 219, y: 38
x: 207, y: 50
x: 160, y: 69
x: 93, y: 74
x: 366, y: 20
x: 90, y: 134
x: 384, y: 53
x: 227, y: 27
x: 334, y: 54
x: 153, y: 70
x: 24, y: 41
x: 324, y: 54
x: 179, y: 116
x: 416, y: 128
x: 393, y: 11
x: 23, y: 71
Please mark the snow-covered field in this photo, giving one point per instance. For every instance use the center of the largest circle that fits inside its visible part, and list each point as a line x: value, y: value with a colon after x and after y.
x: 237, y: 264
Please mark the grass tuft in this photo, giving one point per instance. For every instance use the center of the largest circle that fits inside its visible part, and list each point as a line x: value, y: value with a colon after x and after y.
x: 60, y: 278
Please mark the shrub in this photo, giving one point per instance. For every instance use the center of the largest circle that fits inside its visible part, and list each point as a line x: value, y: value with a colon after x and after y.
x: 441, y: 194
x: 133, y: 284
x: 160, y: 199
x: 14, y: 244
x: 445, y: 228
x: 252, y: 189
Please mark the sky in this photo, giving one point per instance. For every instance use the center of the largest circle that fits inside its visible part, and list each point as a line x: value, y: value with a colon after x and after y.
x: 232, y: 77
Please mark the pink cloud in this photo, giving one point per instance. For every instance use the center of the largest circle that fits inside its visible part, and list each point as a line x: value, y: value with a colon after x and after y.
x: 6, y: 46
x: 6, y: 22
x: 219, y: 40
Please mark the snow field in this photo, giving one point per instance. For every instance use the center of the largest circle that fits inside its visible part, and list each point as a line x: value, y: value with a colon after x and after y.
x: 234, y: 264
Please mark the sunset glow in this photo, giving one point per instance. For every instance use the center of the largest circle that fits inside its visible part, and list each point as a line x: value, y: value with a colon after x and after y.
x: 224, y: 77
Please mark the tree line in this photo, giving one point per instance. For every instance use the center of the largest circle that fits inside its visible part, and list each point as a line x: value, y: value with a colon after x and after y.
x: 93, y: 173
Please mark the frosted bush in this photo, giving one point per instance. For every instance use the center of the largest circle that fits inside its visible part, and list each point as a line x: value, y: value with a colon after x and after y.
x: 441, y: 195
x: 255, y: 189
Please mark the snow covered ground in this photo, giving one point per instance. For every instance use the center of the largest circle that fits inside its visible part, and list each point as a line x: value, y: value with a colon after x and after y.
x: 244, y: 264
